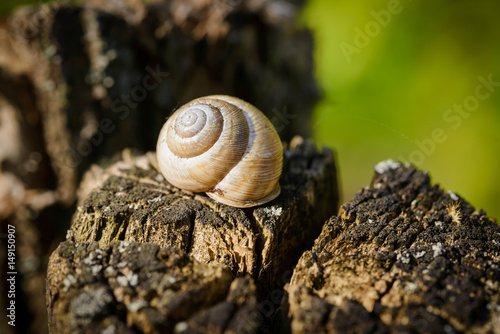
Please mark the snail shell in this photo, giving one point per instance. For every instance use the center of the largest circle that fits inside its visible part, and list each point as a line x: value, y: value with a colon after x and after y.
x: 223, y: 146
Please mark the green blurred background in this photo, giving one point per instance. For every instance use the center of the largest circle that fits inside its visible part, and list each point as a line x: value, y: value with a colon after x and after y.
x: 389, y: 84
x: 385, y: 94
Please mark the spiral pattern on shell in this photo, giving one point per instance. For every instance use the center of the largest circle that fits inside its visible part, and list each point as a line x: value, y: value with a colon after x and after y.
x: 223, y: 146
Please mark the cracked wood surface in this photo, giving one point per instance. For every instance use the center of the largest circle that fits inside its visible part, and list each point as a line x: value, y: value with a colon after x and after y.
x: 130, y: 287
x: 130, y: 201
x: 403, y: 256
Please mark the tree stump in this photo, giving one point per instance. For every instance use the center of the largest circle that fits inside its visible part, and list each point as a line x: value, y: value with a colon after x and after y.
x: 130, y: 201
x: 403, y: 256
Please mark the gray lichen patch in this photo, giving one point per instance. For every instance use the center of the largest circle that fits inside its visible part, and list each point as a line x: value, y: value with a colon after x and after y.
x: 394, y: 260
x: 89, y: 305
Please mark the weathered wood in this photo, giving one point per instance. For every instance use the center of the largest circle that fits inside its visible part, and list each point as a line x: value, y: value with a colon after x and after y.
x: 131, y: 287
x: 130, y: 201
x: 72, y: 94
x: 403, y: 256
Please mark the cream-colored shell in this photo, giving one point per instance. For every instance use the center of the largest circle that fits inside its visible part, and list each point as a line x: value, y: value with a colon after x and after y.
x: 223, y: 146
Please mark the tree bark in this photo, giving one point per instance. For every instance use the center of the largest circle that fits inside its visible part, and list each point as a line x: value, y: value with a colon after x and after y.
x: 130, y: 201
x: 403, y: 256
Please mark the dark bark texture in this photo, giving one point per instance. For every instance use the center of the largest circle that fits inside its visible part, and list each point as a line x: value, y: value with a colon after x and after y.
x: 80, y: 82
x: 130, y: 201
x: 131, y: 287
x: 403, y: 256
